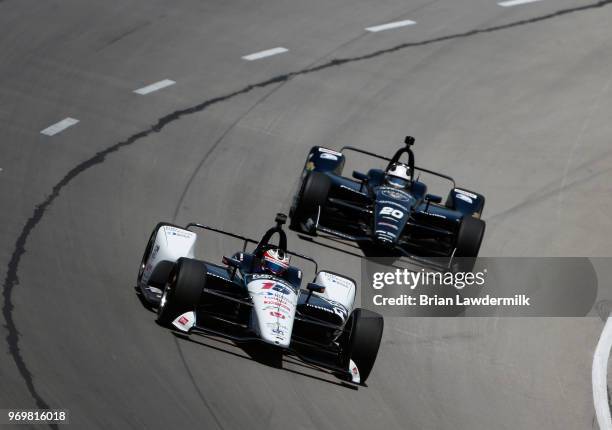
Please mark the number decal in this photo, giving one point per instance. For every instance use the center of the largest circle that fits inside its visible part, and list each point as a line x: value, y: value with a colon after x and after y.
x: 395, y: 213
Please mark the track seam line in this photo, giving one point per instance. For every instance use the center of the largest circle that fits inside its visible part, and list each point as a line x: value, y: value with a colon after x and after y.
x: 195, y: 385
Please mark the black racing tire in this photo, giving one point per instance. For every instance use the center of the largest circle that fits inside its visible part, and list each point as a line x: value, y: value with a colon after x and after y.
x: 313, y: 194
x: 364, y: 340
x: 149, y: 248
x: 184, y: 290
x: 469, y: 239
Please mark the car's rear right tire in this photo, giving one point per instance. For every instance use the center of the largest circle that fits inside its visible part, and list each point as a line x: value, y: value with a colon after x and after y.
x: 183, y: 291
x: 312, y: 194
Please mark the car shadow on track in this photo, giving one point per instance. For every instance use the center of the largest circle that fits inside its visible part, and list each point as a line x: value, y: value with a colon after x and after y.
x: 266, y: 356
x: 260, y: 353
x: 255, y: 351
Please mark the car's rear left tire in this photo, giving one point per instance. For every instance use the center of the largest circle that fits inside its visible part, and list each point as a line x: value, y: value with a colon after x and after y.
x: 183, y: 291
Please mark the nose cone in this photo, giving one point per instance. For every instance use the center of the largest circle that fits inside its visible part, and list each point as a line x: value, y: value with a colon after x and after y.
x: 273, y: 310
x: 392, y: 210
x: 274, y: 333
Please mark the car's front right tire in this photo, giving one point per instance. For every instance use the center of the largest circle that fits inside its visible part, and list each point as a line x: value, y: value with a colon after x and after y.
x: 469, y: 239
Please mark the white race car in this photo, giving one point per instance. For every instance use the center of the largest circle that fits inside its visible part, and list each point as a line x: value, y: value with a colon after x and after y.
x: 257, y: 296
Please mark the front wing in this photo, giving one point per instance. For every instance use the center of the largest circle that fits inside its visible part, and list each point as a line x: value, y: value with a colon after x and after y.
x: 188, y: 323
x: 397, y: 247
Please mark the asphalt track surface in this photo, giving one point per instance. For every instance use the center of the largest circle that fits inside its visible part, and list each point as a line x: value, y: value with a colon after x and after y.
x: 513, y: 102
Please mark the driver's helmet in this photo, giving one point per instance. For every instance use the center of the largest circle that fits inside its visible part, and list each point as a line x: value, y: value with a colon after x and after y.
x: 398, y: 175
x: 275, y: 261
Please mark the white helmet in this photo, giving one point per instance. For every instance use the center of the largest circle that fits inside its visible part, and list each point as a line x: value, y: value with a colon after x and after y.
x: 398, y: 175
x: 275, y: 261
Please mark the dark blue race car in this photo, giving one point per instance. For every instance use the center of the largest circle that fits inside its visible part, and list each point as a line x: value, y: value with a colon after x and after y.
x: 388, y: 212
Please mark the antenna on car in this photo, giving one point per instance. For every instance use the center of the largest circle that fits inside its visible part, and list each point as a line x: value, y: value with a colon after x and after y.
x: 280, y: 219
x: 409, y: 141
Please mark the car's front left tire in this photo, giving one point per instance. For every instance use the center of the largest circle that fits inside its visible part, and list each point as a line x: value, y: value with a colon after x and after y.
x: 183, y: 291
x: 312, y: 195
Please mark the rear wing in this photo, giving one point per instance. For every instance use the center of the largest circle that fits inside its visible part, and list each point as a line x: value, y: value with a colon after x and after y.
x: 421, y: 169
x: 246, y: 241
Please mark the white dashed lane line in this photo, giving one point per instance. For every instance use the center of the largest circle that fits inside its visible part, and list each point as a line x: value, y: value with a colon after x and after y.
x: 511, y: 3
x: 264, y: 54
x: 390, y: 26
x: 154, y: 87
x: 59, y: 127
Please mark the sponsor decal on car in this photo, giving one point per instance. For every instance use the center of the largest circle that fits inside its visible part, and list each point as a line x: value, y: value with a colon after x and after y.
x: 262, y: 276
x: 388, y: 218
x: 322, y: 308
x: 354, y: 371
x: 276, y: 287
x: 434, y: 214
x: 383, y: 233
x: 343, y: 282
x: 395, y: 194
x: 279, y: 325
x: 275, y: 303
x: 185, y: 321
x: 391, y: 202
x: 173, y: 231
x: 388, y: 224
x: 214, y: 275
x: 339, y: 309
x: 278, y: 331
x: 395, y: 213
x: 466, y: 193
x: 328, y: 156
x: 329, y: 151
x: 276, y: 309
x: 277, y: 315
x: 465, y: 198
x: 336, y: 308
x: 344, y: 187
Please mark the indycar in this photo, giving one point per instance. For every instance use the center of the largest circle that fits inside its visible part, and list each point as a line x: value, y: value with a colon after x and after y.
x: 240, y: 301
x: 388, y: 212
